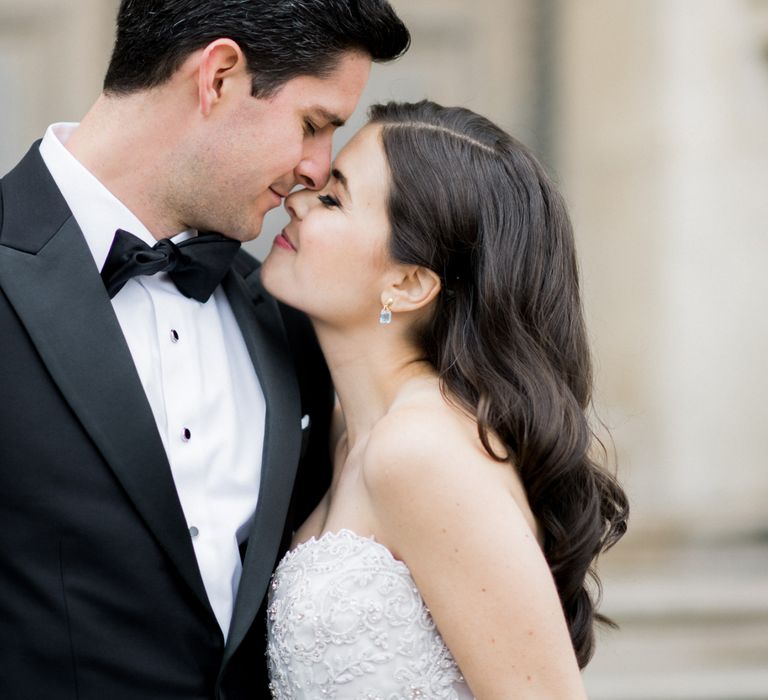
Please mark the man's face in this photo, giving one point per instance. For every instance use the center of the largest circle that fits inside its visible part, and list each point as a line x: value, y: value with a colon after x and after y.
x: 251, y: 152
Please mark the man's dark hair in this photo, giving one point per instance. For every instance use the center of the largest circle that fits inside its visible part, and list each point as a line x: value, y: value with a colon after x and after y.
x: 281, y: 39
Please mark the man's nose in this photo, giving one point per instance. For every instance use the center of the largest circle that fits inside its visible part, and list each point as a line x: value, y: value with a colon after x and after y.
x: 315, y: 167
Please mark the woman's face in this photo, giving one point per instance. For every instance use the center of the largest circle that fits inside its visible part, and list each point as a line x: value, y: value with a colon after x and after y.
x: 331, y: 260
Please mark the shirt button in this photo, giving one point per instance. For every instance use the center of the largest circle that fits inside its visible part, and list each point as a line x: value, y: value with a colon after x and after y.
x: 174, y: 335
x: 186, y: 435
x: 193, y: 532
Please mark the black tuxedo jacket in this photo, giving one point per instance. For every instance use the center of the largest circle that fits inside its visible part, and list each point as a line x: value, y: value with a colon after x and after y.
x: 100, y: 593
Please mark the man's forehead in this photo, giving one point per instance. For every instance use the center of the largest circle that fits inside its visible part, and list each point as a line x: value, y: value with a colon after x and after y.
x: 332, y: 97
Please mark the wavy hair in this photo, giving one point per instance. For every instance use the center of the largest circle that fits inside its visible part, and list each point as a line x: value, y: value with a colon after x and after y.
x: 507, y: 336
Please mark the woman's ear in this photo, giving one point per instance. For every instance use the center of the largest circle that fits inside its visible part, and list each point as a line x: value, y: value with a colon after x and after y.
x: 220, y: 61
x: 413, y: 290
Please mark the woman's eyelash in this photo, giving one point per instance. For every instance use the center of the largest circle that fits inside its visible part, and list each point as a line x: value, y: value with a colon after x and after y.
x: 310, y: 128
x: 328, y: 201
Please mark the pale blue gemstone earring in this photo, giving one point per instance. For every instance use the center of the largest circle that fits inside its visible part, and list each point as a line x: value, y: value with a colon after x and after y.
x: 385, y: 317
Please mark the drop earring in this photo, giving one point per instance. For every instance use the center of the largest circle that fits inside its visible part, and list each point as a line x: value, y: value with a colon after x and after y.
x: 385, y: 317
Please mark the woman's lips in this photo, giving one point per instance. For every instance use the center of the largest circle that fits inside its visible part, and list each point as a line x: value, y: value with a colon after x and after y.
x: 283, y: 241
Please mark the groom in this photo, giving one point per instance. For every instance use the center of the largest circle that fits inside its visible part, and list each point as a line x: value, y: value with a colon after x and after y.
x: 163, y: 421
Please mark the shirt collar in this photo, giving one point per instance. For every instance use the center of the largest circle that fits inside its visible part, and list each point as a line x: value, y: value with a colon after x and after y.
x: 97, y: 211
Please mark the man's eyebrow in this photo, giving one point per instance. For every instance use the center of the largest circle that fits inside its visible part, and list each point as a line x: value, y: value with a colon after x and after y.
x: 329, y: 117
x: 341, y: 178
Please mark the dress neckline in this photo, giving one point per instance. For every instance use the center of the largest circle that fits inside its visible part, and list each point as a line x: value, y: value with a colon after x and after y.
x: 342, y: 534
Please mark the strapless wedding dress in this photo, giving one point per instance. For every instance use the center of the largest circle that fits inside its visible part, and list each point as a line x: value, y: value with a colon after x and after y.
x: 346, y: 621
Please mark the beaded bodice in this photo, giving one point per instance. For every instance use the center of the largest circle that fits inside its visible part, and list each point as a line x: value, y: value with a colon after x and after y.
x: 346, y: 621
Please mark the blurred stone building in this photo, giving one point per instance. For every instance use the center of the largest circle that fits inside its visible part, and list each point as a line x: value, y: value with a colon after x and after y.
x: 653, y: 116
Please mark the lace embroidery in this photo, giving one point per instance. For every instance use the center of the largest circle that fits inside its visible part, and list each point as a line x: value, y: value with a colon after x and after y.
x: 346, y: 621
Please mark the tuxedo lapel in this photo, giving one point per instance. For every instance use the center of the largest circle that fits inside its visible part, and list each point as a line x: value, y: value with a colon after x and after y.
x: 50, y: 278
x: 262, y: 328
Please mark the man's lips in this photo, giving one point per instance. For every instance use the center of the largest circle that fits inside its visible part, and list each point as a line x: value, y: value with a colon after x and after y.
x: 278, y: 192
x: 279, y: 195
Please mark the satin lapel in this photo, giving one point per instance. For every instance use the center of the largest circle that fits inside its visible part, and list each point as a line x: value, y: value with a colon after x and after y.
x: 59, y: 296
x: 262, y: 328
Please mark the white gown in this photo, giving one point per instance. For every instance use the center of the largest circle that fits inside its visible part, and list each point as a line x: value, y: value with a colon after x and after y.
x: 346, y: 621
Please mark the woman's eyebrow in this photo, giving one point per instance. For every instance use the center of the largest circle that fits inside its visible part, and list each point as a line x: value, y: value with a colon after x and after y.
x: 341, y: 178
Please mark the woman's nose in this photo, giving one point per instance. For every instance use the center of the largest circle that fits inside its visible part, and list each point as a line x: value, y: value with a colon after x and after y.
x: 298, y: 203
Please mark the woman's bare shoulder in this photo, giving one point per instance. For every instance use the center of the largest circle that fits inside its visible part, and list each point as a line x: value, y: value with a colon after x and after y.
x: 423, y: 430
x: 459, y: 520
x: 425, y: 456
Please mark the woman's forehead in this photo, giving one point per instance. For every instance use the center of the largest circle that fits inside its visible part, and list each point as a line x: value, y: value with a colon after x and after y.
x: 361, y: 165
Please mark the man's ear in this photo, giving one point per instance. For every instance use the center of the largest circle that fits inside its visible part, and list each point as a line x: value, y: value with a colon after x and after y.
x: 220, y: 61
x: 414, y: 289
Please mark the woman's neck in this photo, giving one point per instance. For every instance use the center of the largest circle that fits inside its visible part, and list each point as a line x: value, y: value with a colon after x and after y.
x: 369, y: 369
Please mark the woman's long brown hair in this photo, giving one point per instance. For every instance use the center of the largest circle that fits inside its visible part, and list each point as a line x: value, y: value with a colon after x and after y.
x: 507, y: 336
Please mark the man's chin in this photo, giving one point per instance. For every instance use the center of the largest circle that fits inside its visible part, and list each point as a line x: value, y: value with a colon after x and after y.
x: 238, y: 228
x: 245, y: 234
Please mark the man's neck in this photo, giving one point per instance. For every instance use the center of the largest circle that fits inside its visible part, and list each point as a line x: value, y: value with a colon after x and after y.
x: 126, y: 142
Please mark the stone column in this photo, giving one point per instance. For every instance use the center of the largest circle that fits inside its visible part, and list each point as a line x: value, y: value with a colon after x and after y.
x: 663, y: 153
x: 53, y: 56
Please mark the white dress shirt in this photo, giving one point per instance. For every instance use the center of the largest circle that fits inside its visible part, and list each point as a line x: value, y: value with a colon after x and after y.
x: 198, y: 377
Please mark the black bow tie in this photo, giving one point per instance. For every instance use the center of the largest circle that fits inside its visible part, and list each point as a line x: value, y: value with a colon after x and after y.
x: 196, y: 265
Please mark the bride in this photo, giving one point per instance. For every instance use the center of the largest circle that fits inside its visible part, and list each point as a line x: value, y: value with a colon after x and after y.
x: 450, y: 557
